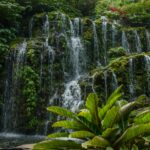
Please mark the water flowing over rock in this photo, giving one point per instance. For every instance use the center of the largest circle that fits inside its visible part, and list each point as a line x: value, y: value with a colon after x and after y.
x: 148, y: 40
x: 125, y: 43
x: 137, y: 42
x: 11, y: 85
x: 147, y: 67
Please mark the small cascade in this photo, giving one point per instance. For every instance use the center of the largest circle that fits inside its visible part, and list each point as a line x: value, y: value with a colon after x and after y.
x: 137, y: 42
x: 31, y: 26
x: 72, y: 96
x: 104, y: 32
x: 125, y: 43
x: 114, y: 34
x: 114, y: 81
x: 72, y: 93
x: 96, y: 45
x: 147, y: 67
x: 131, y: 78
x: 45, y: 46
x: 10, y: 118
x: 148, y: 40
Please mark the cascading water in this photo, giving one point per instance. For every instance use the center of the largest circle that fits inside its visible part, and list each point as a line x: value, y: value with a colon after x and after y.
x: 125, y: 43
x: 9, y: 115
x: 96, y: 45
x: 114, y: 34
x: 104, y: 32
x: 137, y: 42
x: 72, y: 93
x: 31, y: 26
x: 114, y: 81
x: 148, y: 40
x: 147, y: 67
x: 131, y: 78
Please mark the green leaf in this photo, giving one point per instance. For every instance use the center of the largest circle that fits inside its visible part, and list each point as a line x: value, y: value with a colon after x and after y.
x: 109, y: 132
x: 134, y: 132
x: 110, y: 117
x: 58, y: 134
x: 134, y: 147
x: 96, y: 142
x: 57, y: 145
x: 61, y: 111
x: 142, y: 118
x: 89, y: 126
x: 115, y: 96
x: 92, y: 106
x: 126, y: 109
x: 69, y: 124
x: 86, y: 114
x: 147, y: 138
x: 81, y: 134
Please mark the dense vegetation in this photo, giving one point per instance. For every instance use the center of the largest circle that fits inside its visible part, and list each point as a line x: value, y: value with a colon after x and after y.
x: 34, y: 80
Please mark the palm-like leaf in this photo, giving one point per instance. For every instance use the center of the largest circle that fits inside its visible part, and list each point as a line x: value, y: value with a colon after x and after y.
x: 86, y: 114
x: 134, y: 132
x: 111, y: 117
x: 61, y: 111
x: 58, y: 134
x: 109, y: 132
x: 142, y: 118
x: 116, y: 95
x: 81, y: 134
x: 97, y: 142
x: 91, y: 104
x: 57, y: 145
x: 69, y: 124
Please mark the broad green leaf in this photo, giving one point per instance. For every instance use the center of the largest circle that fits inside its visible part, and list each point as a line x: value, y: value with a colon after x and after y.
x: 61, y: 111
x: 134, y: 147
x: 110, y: 117
x: 109, y: 132
x: 134, y: 132
x: 126, y: 109
x: 89, y: 126
x: 115, y: 96
x: 142, y: 118
x: 58, y: 134
x: 57, y: 145
x: 147, y: 138
x: 81, y: 134
x: 96, y: 142
x: 92, y: 106
x: 69, y: 124
x: 86, y: 114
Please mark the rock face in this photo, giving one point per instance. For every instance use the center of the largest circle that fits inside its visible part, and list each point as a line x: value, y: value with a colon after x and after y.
x: 63, y: 60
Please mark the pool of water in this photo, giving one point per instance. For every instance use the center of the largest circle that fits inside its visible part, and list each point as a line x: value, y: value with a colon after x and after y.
x: 11, y: 140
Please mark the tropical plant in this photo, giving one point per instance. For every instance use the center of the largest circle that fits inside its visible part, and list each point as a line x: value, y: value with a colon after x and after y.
x: 116, y: 125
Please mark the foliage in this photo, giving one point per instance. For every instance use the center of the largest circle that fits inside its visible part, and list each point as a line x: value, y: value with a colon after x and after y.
x: 29, y: 87
x: 107, y: 127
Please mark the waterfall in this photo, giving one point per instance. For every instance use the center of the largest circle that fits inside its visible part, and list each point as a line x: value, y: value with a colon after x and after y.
x: 148, y: 40
x: 131, y: 78
x: 30, y: 26
x: 104, y: 32
x: 72, y: 94
x: 10, y: 118
x: 137, y: 42
x: 147, y: 67
x: 114, y: 81
x: 125, y: 43
x: 96, y: 45
x: 114, y: 34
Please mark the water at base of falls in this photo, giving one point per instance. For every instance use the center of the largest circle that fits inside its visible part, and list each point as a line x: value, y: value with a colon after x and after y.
x: 11, y: 140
